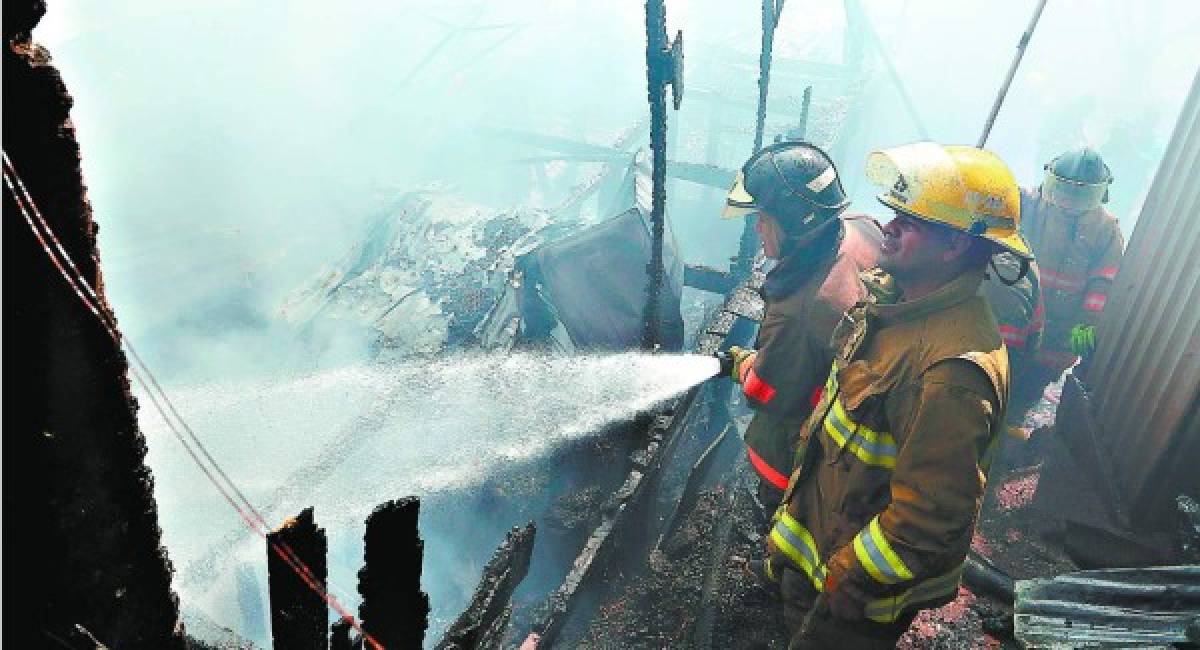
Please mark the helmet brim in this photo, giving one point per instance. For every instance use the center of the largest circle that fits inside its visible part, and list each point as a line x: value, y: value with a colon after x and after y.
x: 1013, y: 243
x: 739, y: 202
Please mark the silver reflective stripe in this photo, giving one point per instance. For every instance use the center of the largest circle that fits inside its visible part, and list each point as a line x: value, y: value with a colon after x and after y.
x: 881, y: 562
x: 822, y: 181
x: 796, y: 543
x: 880, y: 449
x: 887, y: 610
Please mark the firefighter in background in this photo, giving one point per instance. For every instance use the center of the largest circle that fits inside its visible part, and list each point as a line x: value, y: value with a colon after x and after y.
x: 1016, y: 302
x: 793, y: 191
x: 1078, y: 245
x: 879, y: 512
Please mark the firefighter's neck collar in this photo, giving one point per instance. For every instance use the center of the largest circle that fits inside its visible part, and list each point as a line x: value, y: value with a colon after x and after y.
x: 896, y: 309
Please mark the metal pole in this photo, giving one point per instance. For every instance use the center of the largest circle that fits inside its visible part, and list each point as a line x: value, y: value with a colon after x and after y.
x: 1012, y: 71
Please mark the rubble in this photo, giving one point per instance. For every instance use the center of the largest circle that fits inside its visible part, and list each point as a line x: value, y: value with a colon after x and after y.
x: 1159, y: 605
x: 423, y: 275
x: 484, y: 623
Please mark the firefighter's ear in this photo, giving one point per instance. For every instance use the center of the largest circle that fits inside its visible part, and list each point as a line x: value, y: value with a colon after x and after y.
x: 957, y: 245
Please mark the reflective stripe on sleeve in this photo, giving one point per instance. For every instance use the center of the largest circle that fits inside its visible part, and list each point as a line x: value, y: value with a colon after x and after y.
x: 755, y: 387
x: 869, y: 446
x: 887, y: 610
x: 797, y: 544
x: 1061, y: 282
x: 1014, y: 337
x: 1095, y: 301
x: 877, y: 556
x: 764, y: 469
x: 1106, y: 273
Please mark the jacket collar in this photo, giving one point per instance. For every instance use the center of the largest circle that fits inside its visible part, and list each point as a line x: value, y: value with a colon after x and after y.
x: 793, y: 271
x: 885, y: 303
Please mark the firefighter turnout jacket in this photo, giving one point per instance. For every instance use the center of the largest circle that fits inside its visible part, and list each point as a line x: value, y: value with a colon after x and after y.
x: 1018, y: 308
x: 884, y: 500
x: 805, y: 296
x: 1078, y: 254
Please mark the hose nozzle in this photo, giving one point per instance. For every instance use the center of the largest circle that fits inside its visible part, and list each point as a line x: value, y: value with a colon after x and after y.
x: 726, y: 361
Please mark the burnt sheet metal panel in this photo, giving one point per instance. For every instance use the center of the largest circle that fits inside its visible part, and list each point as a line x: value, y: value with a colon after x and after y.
x: 1146, y: 370
x: 595, y: 282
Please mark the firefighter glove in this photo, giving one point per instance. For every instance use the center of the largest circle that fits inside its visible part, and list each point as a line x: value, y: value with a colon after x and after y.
x: 1083, y: 339
x: 739, y: 356
x: 845, y: 600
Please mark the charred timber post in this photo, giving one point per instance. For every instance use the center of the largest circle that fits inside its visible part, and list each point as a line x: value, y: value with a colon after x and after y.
x: 86, y: 508
x: 298, y: 614
x: 664, y: 67
x: 394, y: 610
x: 804, y: 108
x: 485, y: 620
x: 341, y: 639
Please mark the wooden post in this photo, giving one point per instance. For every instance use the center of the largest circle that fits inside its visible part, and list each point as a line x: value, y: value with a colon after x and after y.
x: 298, y: 614
x: 394, y: 610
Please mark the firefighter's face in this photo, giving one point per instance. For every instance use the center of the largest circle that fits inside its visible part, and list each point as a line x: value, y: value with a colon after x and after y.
x: 770, y: 234
x: 915, y: 249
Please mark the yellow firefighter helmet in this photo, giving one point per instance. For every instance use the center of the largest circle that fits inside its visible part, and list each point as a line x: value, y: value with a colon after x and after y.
x: 965, y: 188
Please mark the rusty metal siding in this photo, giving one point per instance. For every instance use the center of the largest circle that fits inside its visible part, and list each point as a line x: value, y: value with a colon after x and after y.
x: 1146, y: 371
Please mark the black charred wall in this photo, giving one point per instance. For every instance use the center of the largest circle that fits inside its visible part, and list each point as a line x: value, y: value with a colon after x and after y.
x: 81, y: 537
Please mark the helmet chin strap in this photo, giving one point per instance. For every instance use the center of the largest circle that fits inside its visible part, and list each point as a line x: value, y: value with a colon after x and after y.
x: 1024, y: 270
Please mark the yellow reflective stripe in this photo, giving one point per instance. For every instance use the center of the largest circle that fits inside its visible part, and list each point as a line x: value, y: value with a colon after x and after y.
x: 877, y: 556
x: 887, y: 610
x: 865, y: 432
x: 791, y: 537
x: 870, y: 446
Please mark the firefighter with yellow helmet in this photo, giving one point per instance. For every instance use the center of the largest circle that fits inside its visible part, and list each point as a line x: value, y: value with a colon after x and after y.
x: 878, y: 515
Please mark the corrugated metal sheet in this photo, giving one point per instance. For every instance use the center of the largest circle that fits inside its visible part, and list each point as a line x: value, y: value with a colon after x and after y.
x: 1146, y: 370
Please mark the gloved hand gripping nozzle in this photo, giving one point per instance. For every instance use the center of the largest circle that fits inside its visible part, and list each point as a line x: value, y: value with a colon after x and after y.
x: 732, y: 360
x: 727, y: 362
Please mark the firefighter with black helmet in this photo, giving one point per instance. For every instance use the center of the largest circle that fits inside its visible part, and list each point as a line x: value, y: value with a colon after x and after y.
x: 793, y: 192
x: 879, y: 511
x: 1078, y: 245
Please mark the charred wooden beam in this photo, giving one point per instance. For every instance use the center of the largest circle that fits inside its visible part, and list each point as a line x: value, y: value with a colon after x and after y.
x: 1159, y: 605
x: 394, y: 610
x: 707, y: 278
x: 663, y: 436
x: 84, y: 504
x: 298, y: 613
x: 341, y: 637
x: 616, y: 520
x: 691, y: 488
x: 485, y: 620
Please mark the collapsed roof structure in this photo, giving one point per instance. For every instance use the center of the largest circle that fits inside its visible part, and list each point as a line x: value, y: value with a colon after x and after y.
x: 434, y: 271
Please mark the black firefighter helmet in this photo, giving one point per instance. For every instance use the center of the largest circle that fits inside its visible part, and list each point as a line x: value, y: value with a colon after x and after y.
x: 795, y: 182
